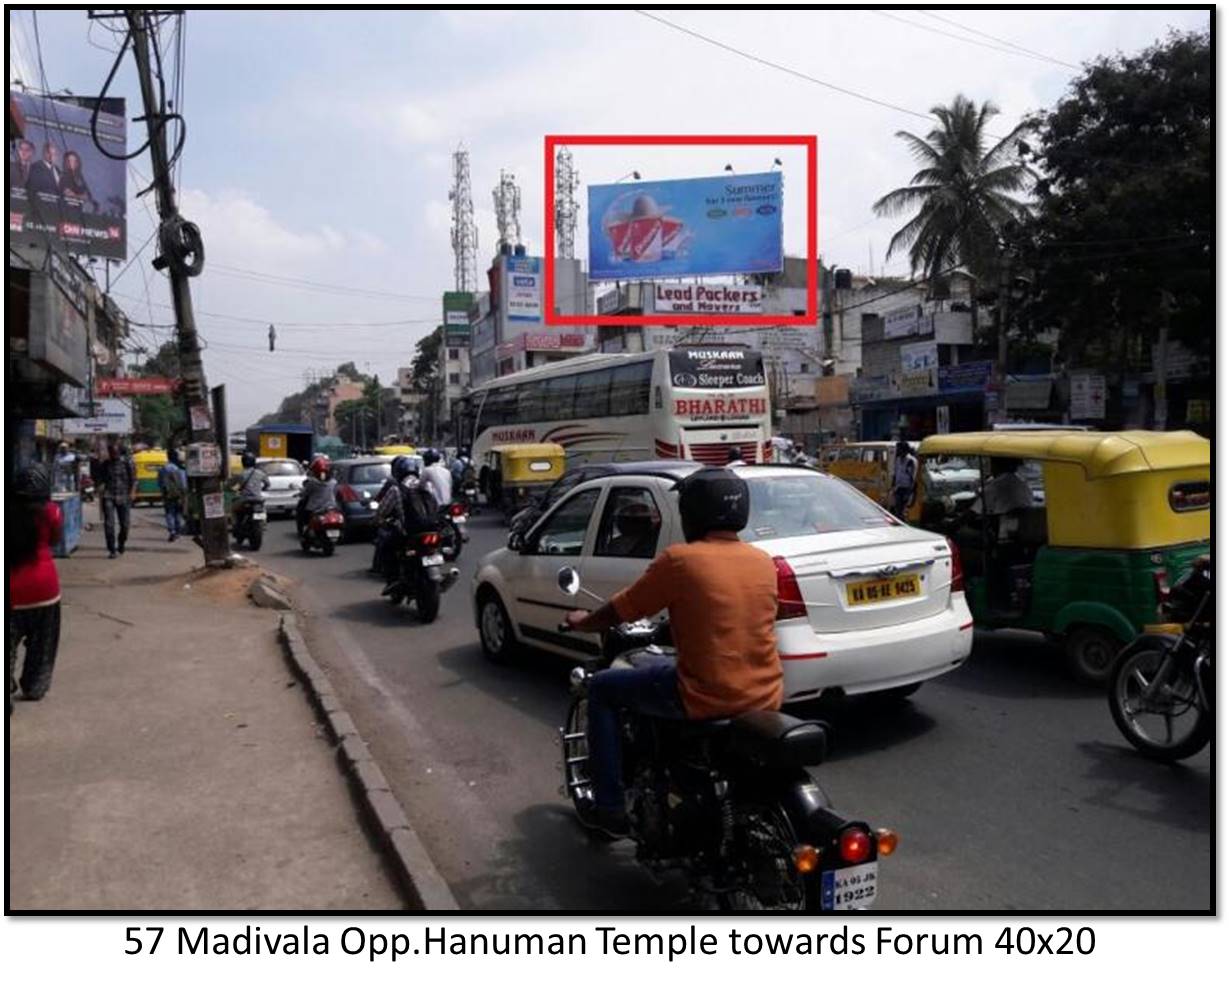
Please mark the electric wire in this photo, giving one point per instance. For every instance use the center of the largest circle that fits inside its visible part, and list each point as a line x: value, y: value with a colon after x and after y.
x: 1004, y: 41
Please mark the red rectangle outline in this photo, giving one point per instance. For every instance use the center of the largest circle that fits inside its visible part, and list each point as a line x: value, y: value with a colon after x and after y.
x: 809, y: 318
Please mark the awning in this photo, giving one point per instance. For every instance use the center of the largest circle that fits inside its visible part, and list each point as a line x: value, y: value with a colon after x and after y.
x: 1029, y: 394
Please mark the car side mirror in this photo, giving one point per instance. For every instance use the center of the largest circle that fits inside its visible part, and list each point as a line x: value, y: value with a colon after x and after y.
x: 568, y: 581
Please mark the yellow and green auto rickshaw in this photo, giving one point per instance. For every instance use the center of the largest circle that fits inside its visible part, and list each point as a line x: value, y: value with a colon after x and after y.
x: 148, y: 463
x: 394, y: 450
x: 1081, y: 533
x: 512, y: 475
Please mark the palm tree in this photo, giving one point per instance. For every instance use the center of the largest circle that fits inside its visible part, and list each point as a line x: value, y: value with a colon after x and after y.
x: 962, y: 193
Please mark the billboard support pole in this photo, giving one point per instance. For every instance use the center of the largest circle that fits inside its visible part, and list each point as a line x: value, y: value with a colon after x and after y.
x: 214, y: 537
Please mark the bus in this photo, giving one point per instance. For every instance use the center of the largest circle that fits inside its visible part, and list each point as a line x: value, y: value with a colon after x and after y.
x: 689, y: 403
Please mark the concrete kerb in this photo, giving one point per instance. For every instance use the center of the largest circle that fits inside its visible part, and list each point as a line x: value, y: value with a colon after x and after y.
x: 416, y: 873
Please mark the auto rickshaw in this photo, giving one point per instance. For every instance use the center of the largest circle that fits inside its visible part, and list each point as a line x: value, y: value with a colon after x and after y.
x: 1113, y: 520
x: 394, y: 450
x: 512, y: 475
x: 148, y: 463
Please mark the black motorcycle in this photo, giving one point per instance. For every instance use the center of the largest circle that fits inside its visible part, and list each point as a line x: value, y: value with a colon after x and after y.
x: 1161, y: 685
x: 469, y: 495
x: 420, y: 574
x: 453, y: 530
x: 249, y: 524
x: 728, y: 801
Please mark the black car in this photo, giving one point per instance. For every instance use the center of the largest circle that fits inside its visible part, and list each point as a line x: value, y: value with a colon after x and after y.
x: 587, y: 472
x: 358, y: 486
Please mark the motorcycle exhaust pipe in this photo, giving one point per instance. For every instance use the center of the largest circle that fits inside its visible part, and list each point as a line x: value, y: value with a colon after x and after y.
x: 450, y: 578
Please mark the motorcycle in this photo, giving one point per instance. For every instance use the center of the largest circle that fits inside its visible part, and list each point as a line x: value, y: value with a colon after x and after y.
x: 249, y: 524
x: 322, y: 532
x: 453, y: 519
x: 469, y: 495
x: 1161, y: 685
x: 421, y: 575
x: 728, y: 801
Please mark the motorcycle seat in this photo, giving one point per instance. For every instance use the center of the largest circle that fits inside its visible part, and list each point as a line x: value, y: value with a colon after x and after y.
x: 778, y: 740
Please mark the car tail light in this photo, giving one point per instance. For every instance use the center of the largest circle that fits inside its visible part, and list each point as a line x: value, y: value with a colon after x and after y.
x: 347, y: 494
x: 855, y: 845
x: 957, y: 568
x: 789, y: 597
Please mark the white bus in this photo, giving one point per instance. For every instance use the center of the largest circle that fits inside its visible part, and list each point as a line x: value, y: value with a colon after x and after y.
x: 690, y: 403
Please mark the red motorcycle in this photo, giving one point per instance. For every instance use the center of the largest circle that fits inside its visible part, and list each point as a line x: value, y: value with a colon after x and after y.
x: 323, y: 532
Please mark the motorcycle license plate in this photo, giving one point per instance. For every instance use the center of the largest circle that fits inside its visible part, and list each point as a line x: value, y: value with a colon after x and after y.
x: 883, y: 589
x: 435, y: 560
x: 373, y: 505
x: 260, y: 516
x: 851, y: 888
x: 333, y: 534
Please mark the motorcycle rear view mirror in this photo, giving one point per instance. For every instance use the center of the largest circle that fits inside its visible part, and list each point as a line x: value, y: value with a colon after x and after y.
x: 569, y: 581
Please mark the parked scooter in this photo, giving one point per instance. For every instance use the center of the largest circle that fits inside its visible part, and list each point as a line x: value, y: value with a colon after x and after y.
x: 729, y: 801
x: 249, y: 524
x: 1161, y: 686
x: 421, y: 577
x: 322, y: 532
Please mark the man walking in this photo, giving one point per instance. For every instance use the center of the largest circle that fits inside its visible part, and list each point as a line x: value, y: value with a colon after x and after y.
x: 173, y: 484
x: 904, y: 478
x: 119, y: 488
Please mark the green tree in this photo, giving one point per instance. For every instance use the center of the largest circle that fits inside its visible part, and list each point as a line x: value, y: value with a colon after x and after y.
x: 160, y: 419
x: 1123, y: 230
x: 962, y: 196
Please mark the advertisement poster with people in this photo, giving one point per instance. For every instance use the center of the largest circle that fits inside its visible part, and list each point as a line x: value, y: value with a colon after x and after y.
x: 64, y: 188
x: 720, y: 225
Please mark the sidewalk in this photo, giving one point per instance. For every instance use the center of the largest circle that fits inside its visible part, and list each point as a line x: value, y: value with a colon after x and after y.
x: 175, y: 764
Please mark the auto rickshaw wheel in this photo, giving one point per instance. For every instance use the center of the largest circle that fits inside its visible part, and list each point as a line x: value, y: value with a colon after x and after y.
x: 1091, y: 652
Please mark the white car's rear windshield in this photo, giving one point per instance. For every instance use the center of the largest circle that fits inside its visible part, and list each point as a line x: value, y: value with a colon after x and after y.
x: 805, y: 504
x: 277, y: 468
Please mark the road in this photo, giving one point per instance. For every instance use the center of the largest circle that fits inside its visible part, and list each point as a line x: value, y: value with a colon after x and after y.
x: 1008, y: 783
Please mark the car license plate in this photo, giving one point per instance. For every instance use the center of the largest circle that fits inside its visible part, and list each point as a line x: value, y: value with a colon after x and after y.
x: 435, y: 560
x: 883, y: 589
x: 333, y: 534
x: 851, y: 888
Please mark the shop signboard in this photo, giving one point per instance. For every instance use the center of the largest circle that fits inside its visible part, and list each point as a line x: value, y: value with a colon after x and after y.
x: 108, y: 416
x: 871, y: 388
x: 523, y: 289
x: 916, y: 382
x: 1087, y: 396
x: 714, y: 225
x: 574, y: 341
x: 59, y: 321
x: 699, y: 297
x: 972, y: 376
x: 136, y: 386
x: 919, y: 357
x: 901, y: 322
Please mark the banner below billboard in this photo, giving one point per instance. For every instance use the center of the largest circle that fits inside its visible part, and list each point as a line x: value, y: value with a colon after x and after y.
x: 523, y: 289
x: 109, y: 416
x: 63, y: 190
x: 701, y: 298
x: 718, y: 225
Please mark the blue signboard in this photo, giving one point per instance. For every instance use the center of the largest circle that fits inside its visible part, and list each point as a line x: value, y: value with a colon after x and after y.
x: 721, y: 225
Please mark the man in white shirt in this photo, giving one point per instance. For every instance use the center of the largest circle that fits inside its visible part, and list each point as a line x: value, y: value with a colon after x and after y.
x: 437, y: 478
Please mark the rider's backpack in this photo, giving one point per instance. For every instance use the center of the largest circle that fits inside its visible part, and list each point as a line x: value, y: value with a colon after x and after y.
x: 421, y: 509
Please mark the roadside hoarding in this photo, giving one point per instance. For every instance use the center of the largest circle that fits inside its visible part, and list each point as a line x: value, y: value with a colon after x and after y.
x: 717, y: 225
x: 707, y: 298
x: 523, y: 289
x: 59, y: 325
x: 109, y: 416
x: 919, y: 357
x: 63, y: 191
x: 1087, y: 396
x: 901, y: 322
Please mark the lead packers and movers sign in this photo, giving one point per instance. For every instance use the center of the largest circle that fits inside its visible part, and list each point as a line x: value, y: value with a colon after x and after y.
x: 707, y: 298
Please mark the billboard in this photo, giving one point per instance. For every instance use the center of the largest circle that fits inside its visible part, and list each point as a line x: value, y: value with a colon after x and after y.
x: 719, y: 225
x: 63, y: 191
x: 706, y: 298
x: 523, y: 288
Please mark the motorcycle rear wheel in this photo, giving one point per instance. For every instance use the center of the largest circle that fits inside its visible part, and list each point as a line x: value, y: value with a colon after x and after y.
x: 255, y: 538
x: 326, y: 546
x: 428, y: 601
x: 1151, y: 728
x: 765, y: 840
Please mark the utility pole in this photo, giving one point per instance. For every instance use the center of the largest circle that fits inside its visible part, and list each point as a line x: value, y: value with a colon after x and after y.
x: 182, y: 253
x: 1160, y: 391
x: 1004, y: 296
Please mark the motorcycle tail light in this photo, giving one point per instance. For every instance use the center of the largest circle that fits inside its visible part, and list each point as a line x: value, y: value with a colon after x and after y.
x: 1160, y: 580
x: 957, y: 567
x: 333, y: 518
x: 806, y: 859
x: 789, y: 598
x: 457, y: 509
x: 855, y: 845
x: 886, y: 840
x: 430, y: 539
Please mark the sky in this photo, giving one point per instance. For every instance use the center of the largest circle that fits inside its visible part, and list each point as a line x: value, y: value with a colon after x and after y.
x: 319, y: 143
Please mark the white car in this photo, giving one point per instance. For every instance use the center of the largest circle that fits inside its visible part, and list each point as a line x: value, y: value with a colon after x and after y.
x: 286, y: 478
x: 867, y: 603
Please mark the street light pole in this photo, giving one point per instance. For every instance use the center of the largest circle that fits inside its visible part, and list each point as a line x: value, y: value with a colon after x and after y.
x: 182, y: 253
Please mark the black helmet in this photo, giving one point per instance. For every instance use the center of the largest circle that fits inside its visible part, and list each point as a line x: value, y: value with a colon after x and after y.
x: 712, y: 498
x: 430, y: 456
x: 248, y: 459
x: 402, y: 466
x: 33, y: 483
x: 733, y: 453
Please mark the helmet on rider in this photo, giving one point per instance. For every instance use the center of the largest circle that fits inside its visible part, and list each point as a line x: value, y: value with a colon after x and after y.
x: 248, y: 459
x: 319, y: 467
x: 430, y: 456
x: 403, y: 466
x: 463, y: 452
x: 712, y: 499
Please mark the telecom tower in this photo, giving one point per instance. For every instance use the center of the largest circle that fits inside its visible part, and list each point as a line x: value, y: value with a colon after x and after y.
x: 464, y: 229
x: 567, y: 181
x: 508, y: 209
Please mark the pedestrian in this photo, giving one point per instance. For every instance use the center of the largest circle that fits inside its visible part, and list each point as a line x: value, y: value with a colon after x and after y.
x: 119, y: 488
x: 904, y: 478
x: 173, y: 484
x: 734, y: 456
x: 34, y: 525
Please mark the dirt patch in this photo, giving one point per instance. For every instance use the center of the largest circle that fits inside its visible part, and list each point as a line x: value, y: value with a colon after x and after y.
x: 227, y: 586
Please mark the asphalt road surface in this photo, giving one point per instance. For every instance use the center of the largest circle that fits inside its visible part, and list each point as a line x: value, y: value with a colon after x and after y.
x: 1008, y: 783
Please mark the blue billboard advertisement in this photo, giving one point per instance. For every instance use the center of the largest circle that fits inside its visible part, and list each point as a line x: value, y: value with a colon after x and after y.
x: 720, y: 225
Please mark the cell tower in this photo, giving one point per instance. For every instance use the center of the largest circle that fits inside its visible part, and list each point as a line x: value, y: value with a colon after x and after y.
x: 464, y: 229
x: 567, y: 181
x: 508, y: 209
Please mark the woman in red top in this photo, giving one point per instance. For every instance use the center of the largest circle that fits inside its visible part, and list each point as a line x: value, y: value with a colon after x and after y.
x: 34, y: 586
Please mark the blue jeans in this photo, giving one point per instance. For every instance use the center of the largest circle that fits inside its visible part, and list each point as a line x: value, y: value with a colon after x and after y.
x: 647, y: 690
x: 174, y: 516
